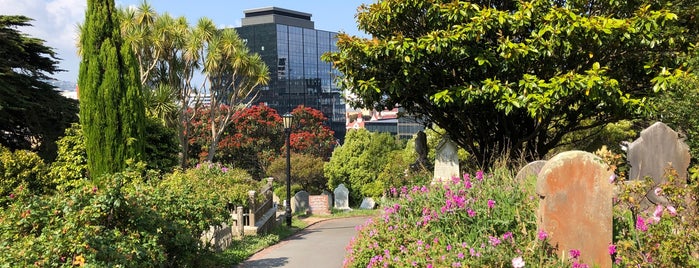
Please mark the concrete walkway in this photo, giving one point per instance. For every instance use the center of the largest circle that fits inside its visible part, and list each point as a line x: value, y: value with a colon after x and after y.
x: 319, y: 245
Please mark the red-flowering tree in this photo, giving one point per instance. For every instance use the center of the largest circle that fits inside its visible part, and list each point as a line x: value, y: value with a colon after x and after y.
x: 310, y: 135
x: 252, y: 140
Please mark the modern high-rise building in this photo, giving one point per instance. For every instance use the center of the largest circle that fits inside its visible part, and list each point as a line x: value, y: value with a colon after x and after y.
x: 291, y: 47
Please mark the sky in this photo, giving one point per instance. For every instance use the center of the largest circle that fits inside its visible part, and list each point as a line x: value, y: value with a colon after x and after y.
x: 55, y: 21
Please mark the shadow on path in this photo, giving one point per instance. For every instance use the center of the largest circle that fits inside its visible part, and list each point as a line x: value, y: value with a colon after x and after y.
x: 271, y: 262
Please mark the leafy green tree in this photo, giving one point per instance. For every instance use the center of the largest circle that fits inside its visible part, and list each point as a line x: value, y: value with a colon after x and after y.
x: 306, y: 170
x: 33, y: 113
x: 516, y: 76
x: 111, y: 107
x: 358, y: 162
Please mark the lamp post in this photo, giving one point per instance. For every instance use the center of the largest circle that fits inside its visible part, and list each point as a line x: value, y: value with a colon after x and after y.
x: 287, y: 119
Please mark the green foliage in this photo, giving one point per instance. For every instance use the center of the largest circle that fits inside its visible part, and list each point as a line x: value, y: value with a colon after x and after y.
x: 592, y: 139
x: 71, y: 162
x: 161, y: 146
x: 306, y: 170
x: 111, y: 107
x: 231, y: 185
x: 397, y: 173
x: 358, y: 162
x: 33, y: 113
x: 24, y: 169
x: 515, y: 77
x: 123, y: 223
x: 679, y: 109
x: 280, y: 190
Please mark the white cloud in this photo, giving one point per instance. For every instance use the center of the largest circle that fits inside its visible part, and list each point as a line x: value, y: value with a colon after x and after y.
x: 55, y: 21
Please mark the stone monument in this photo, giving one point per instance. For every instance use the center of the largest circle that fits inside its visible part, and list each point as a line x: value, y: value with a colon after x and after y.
x: 341, y: 197
x: 658, y: 148
x: 446, y: 164
x: 575, y: 206
x: 299, y: 203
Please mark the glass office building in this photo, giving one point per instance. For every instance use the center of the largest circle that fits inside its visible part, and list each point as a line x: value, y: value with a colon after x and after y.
x: 291, y: 47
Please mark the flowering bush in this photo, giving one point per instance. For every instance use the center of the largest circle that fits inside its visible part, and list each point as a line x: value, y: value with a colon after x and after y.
x: 481, y: 220
x: 124, y: 222
x: 489, y: 220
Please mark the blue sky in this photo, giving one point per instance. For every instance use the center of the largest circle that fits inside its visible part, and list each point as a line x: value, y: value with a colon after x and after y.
x: 55, y: 20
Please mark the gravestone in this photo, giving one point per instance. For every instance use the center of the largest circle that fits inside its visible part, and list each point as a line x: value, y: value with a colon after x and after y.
x: 446, y: 164
x: 575, y: 206
x: 341, y: 197
x: 658, y: 148
x: 318, y: 204
x: 367, y: 203
x: 300, y: 202
x: 421, y: 150
x: 531, y: 169
x: 330, y: 198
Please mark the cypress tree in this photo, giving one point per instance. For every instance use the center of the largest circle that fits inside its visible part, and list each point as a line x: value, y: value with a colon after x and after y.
x: 111, y: 109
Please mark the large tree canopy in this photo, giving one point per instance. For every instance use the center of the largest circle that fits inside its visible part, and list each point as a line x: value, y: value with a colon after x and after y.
x: 515, y: 76
x: 33, y: 113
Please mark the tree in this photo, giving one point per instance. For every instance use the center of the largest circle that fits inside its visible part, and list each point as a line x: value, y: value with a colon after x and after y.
x: 171, y: 52
x: 310, y: 135
x: 306, y: 170
x: 233, y: 74
x: 34, y: 114
x: 111, y: 109
x: 359, y: 161
x: 516, y: 76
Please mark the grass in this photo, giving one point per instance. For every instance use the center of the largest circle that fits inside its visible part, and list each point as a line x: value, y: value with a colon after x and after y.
x: 242, y: 249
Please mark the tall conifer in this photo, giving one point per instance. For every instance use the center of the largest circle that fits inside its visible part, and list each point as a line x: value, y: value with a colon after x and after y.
x: 111, y: 108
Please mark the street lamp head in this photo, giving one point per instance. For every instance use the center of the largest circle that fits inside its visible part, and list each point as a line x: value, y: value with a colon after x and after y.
x: 287, y: 118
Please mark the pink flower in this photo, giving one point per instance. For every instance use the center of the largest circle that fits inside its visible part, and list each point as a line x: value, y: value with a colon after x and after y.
x: 658, y: 211
x: 94, y: 189
x: 471, y: 213
x: 612, y: 249
x: 448, y: 247
x: 507, y: 236
x: 574, y: 253
x: 641, y: 224
x: 460, y: 255
x: 518, y: 262
x: 12, y: 195
x: 479, y: 175
x: 224, y: 169
x: 494, y: 241
x: 491, y: 203
x: 612, y: 178
x: 671, y: 210
x: 543, y: 235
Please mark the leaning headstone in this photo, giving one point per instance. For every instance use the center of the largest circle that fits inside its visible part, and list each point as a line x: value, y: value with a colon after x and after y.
x: 658, y: 148
x: 300, y: 202
x: 367, y: 203
x: 341, y: 197
x: 575, y: 207
x: 531, y: 169
x: 318, y: 204
x: 446, y: 164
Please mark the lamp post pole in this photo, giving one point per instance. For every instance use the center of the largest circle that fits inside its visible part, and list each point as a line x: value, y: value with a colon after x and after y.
x: 287, y: 131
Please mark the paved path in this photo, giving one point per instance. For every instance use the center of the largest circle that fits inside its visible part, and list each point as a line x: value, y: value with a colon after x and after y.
x: 320, y: 245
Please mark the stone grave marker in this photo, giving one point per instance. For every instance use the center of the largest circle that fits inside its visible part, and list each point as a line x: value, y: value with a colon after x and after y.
x: 341, y: 197
x: 531, y: 169
x: 658, y: 148
x: 318, y: 204
x: 300, y: 202
x: 446, y: 164
x: 367, y: 203
x: 575, y: 206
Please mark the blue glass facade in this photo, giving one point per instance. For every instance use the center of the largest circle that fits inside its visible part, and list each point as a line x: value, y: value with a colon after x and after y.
x: 291, y: 48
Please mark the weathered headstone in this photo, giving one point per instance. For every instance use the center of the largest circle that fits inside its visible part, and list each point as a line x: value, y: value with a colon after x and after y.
x: 341, y: 197
x: 658, y: 148
x: 446, y: 164
x: 318, y: 204
x: 421, y: 150
x: 367, y: 203
x: 531, y: 169
x: 300, y: 202
x: 575, y: 208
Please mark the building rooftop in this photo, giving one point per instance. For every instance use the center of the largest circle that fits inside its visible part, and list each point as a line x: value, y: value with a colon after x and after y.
x: 277, y: 15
